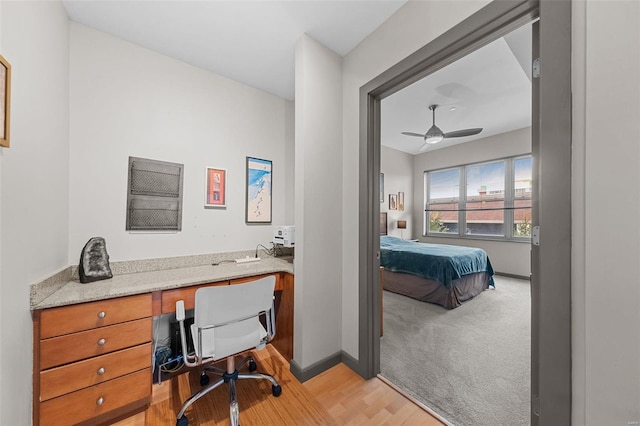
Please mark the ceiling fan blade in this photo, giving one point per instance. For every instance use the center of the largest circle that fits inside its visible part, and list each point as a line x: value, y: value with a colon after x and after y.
x: 461, y: 133
x: 413, y: 134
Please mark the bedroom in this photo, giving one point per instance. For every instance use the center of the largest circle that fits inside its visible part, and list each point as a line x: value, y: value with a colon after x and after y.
x: 488, y: 89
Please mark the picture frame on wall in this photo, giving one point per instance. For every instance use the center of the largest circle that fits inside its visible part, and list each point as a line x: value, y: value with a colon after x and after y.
x: 401, y: 201
x: 381, y: 188
x: 5, y: 101
x: 258, y: 191
x: 393, y: 202
x: 216, y: 187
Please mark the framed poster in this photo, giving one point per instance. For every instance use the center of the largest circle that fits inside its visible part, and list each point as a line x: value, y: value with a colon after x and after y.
x: 258, y: 199
x: 393, y: 202
x: 381, y: 188
x: 216, y: 184
x: 401, y: 201
x: 5, y: 101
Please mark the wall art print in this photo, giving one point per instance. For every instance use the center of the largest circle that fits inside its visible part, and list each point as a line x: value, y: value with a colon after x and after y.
x: 216, y: 184
x: 258, y: 197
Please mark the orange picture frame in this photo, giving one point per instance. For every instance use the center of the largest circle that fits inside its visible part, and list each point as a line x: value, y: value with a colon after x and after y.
x: 216, y: 185
x: 5, y: 101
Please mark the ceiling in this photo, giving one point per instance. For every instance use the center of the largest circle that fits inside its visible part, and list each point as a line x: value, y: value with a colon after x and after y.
x: 253, y: 42
x: 489, y: 88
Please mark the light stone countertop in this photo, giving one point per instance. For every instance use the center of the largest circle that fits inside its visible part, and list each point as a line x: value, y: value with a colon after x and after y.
x: 66, y: 290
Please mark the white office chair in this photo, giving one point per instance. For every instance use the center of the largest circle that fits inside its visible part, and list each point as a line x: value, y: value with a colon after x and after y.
x: 227, y: 322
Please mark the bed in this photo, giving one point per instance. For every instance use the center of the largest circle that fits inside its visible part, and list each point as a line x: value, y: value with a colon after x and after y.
x: 447, y: 275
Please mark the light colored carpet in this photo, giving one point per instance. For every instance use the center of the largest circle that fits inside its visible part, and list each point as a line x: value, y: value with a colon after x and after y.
x: 471, y: 365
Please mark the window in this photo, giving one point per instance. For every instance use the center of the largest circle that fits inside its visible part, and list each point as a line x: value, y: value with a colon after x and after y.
x: 485, y: 199
x: 522, y: 197
x: 491, y: 199
x: 443, y: 202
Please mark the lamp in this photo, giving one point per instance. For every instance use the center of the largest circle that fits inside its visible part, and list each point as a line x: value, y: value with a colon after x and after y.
x: 402, y: 224
x: 433, y: 139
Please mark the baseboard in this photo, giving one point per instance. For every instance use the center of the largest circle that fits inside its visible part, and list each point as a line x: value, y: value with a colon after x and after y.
x: 304, y: 374
x: 351, y: 362
x: 506, y: 274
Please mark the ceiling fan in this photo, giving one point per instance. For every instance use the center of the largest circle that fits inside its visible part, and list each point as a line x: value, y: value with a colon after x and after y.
x: 435, y: 135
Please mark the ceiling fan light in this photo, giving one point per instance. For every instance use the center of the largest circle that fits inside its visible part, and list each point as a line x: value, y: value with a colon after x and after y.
x: 433, y: 139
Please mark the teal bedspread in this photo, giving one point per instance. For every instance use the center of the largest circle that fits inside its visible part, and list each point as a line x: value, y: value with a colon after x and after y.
x: 440, y: 262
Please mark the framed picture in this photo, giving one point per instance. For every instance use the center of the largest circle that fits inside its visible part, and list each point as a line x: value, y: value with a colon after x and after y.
x: 381, y: 188
x: 401, y: 201
x: 5, y: 101
x: 216, y: 184
x: 393, y: 202
x: 258, y: 199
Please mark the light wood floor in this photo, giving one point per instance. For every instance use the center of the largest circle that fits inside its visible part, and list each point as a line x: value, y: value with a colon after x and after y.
x: 336, y: 397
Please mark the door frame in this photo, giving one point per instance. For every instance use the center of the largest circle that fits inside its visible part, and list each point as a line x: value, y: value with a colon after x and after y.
x: 551, y: 152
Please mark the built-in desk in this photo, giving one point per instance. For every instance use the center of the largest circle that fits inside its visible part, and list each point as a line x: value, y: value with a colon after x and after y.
x: 93, y: 342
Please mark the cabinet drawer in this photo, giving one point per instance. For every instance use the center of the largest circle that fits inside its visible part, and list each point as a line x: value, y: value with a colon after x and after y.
x: 188, y: 294
x: 85, y: 316
x: 79, y: 375
x: 96, y: 400
x: 74, y: 347
x: 279, y: 284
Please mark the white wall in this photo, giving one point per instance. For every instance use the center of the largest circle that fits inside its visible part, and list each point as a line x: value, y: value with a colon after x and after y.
x: 290, y: 159
x: 606, y: 135
x: 129, y: 101
x: 318, y: 204
x: 506, y: 257
x: 397, y: 167
x: 411, y: 27
x: 33, y: 183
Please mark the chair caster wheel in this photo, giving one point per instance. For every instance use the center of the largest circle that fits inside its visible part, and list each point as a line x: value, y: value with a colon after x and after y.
x: 182, y: 421
x: 204, y: 381
x: 276, y: 390
x: 252, y: 366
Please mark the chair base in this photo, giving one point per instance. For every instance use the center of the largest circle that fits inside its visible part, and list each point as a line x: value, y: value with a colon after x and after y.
x: 230, y: 377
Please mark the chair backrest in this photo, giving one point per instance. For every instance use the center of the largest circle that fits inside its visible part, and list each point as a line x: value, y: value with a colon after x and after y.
x: 233, y: 310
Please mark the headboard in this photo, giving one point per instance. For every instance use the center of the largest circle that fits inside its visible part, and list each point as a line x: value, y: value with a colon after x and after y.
x: 383, y: 223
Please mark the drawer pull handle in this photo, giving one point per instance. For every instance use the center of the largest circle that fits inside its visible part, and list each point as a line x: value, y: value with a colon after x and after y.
x: 102, y: 314
x: 101, y: 342
x: 100, y: 401
x: 101, y: 371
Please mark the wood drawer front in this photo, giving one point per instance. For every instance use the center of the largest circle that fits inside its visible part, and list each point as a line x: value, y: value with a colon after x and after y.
x: 85, y: 316
x: 188, y: 294
x: 79, y: 375
x: 74, y: 347
x: 279, y: 284
x: 82, y: 405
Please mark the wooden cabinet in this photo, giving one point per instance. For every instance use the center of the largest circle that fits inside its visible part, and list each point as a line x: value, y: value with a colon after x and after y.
x: 92, y: 361
x: 283, y: 340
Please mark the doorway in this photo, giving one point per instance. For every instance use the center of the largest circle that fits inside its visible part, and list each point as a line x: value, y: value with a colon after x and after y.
x: 551, y: 150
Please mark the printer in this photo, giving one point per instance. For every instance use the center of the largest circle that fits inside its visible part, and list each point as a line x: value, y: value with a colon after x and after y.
x: 284, y: 235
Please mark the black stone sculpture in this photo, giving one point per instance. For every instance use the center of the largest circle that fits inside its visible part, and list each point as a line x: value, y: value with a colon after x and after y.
x: 94, y: 261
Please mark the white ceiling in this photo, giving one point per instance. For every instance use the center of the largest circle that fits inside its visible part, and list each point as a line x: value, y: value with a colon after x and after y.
x: 253, y: 42
x: 489, y: 88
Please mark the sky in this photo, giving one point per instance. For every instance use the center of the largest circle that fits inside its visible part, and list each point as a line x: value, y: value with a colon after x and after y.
x: 446, y: 183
